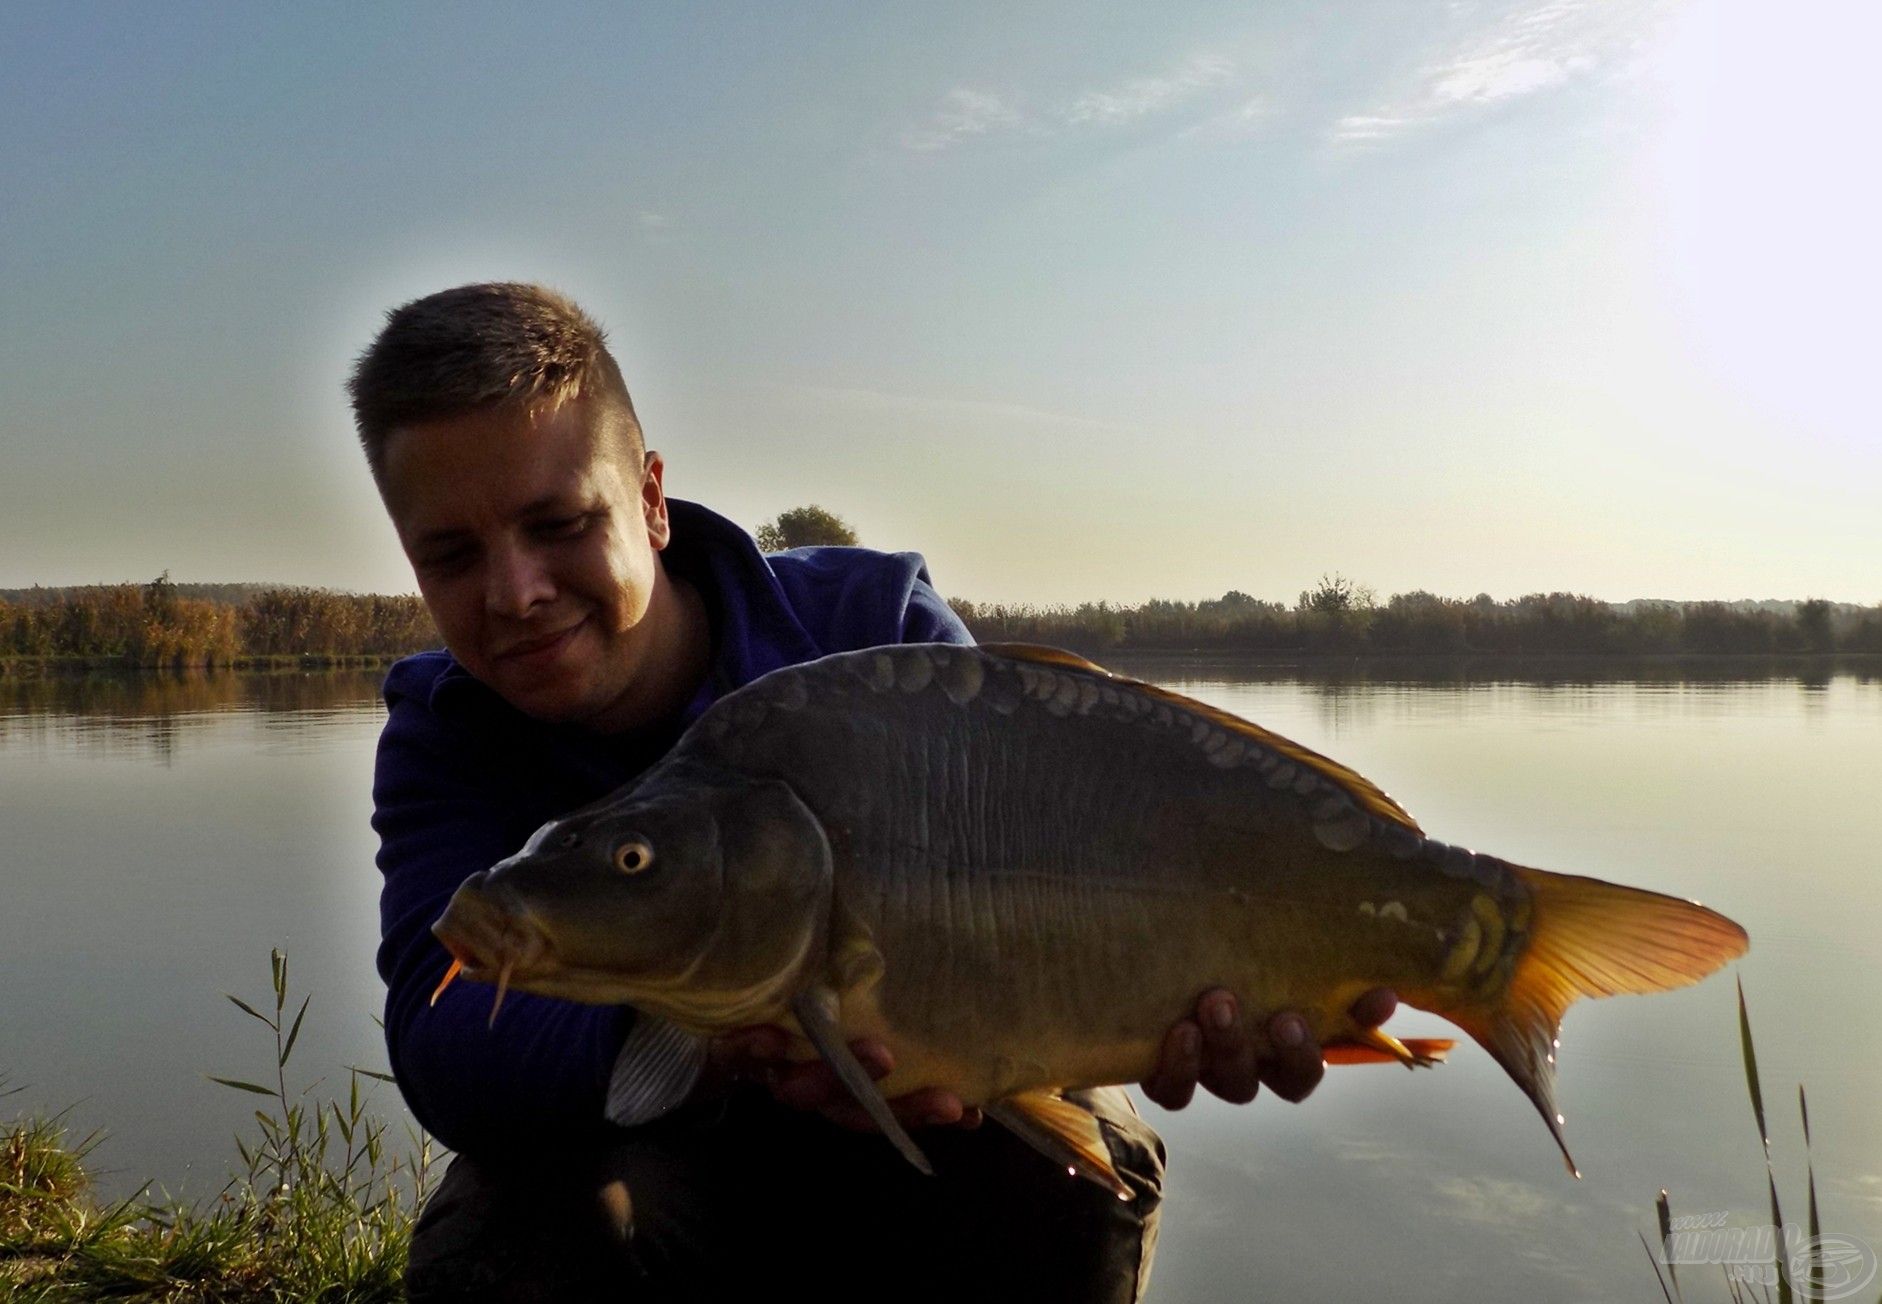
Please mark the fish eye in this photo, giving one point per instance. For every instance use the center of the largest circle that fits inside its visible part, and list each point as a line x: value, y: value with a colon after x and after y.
x: 633, y: 856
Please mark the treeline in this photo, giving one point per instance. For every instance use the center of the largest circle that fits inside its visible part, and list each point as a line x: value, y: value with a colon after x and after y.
x: 1341, y: 617
x: 155, y: 626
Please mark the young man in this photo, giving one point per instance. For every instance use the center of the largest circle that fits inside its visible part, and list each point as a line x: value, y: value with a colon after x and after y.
x: 588, y: 619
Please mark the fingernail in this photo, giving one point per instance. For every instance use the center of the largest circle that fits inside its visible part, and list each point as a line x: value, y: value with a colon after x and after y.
x: 1222, y: 1015
x: 1290, y: 1031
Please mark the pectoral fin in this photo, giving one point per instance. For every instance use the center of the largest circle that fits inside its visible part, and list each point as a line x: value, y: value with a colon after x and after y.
x: 816, y: 1012
x: 1063, y: 1133
x: 1383, y: 1048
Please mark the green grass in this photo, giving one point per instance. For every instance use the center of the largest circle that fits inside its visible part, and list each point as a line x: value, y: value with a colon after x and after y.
x: 1788, y: 1288
x: 320, y: 1208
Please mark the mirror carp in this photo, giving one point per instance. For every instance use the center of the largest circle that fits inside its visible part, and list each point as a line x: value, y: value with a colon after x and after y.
x: 1019, y: 870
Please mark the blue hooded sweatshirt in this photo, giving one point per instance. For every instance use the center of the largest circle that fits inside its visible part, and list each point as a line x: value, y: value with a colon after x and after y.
x: 463, y: 779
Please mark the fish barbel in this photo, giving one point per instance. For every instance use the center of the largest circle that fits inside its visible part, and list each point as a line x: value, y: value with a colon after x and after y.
x: 1019, y: 870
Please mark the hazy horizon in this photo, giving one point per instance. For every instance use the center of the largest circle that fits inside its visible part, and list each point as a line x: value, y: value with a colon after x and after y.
x: 1083, y: 302
x: 1286, y: 600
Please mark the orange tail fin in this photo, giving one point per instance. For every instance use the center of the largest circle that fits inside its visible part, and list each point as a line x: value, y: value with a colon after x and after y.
x: 1590, y: 938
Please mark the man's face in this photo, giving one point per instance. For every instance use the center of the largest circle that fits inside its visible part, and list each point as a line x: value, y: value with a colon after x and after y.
x: 535, y: 550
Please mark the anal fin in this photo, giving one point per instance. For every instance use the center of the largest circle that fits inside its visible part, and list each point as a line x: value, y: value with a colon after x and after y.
x: 1375, y: 1047
x: 1063, y: 1132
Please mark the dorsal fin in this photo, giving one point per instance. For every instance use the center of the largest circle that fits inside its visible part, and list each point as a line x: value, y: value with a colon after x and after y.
x: 1369, y: 797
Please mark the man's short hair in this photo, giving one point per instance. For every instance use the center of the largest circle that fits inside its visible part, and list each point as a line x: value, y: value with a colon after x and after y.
x: 479, y: 346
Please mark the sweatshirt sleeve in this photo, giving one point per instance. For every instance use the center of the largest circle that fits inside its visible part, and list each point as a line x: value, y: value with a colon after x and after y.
x: 542, y: 1071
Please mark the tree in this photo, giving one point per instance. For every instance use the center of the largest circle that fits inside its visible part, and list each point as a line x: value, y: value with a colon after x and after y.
x: 805, y: 527
x: 160, y: 599
x: 1813, y: 620
x: 1335, y: 595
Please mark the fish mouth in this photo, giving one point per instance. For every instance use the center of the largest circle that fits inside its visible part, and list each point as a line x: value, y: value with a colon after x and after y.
x: 492, y: 939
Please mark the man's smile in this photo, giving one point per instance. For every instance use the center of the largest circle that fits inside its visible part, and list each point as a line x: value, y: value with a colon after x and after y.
x: 541, y: 649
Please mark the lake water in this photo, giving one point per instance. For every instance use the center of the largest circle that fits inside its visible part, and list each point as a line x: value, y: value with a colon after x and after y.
x: 160, y: 836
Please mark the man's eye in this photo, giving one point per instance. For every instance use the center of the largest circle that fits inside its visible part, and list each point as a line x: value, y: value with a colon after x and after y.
x: 447, y: 563
x: 563, y: 527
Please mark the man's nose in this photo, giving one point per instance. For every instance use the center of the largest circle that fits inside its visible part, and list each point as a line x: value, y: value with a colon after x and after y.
x: 515, y: 580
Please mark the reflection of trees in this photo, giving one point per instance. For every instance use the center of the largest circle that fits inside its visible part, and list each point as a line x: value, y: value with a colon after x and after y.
x: 1347, y: 677
x: 154, y: 714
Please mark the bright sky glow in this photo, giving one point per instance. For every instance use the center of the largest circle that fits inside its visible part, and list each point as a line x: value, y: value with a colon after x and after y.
x: 1083, y: 301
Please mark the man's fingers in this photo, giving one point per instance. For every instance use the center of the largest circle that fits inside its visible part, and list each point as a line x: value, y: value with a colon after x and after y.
x: 1293, y: 1067
x: 744, y: 1051
x: 929, y: 1107
x: 1374, y: 1007
x: 1178, y: 1066
x: 1229, y: 1066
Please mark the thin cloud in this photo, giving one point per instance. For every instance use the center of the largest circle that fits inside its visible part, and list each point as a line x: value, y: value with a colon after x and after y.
x: 963, y: 112
x: 967, y: 112
x: 650, y: 220
x: 1249, y: 118
x: 1139, y: 97
x: 1530, y: 49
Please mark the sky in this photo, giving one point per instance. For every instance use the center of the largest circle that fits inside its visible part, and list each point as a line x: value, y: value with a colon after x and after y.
x: 1082, y: 301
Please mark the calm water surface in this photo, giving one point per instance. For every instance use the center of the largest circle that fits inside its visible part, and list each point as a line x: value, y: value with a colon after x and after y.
x: 160, y: 836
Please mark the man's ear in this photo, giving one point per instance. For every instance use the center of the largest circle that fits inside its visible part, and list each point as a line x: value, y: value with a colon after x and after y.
x: 653, y: 501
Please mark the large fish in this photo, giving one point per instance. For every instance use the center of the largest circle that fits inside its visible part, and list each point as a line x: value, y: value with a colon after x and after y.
x: 1019, y: 870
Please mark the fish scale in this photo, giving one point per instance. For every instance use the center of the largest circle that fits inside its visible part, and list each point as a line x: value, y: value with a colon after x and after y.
x: 1020, y: 870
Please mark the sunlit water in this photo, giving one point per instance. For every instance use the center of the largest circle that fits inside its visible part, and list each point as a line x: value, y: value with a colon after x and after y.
x: 159, y: 837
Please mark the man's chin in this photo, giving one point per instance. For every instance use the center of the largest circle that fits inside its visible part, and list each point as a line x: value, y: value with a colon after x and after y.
x: 554, y: 697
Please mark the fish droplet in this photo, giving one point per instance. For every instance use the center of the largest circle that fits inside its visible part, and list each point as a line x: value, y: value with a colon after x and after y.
x: 881, y: 672
x: 748, y: 712
x: 961, y: 678
x: 913, y: 670
x: 1229, y: 754
x: 1343, y: 831
x: 1458, y: 961
x: 1004, y: 691
x: 1487, y: 915
x: 1062, y: 701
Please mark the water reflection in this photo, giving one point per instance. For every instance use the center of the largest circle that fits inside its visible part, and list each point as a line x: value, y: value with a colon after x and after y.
x: 1547, y: 672
x: 1349, y: 694
x: 150, y: 715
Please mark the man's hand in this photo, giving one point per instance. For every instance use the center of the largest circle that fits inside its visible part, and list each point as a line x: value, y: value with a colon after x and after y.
x: 758, y: 1054
x: 1233, y: 1062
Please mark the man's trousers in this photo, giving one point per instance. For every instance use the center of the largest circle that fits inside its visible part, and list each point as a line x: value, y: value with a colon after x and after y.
x: 745, y: 1199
